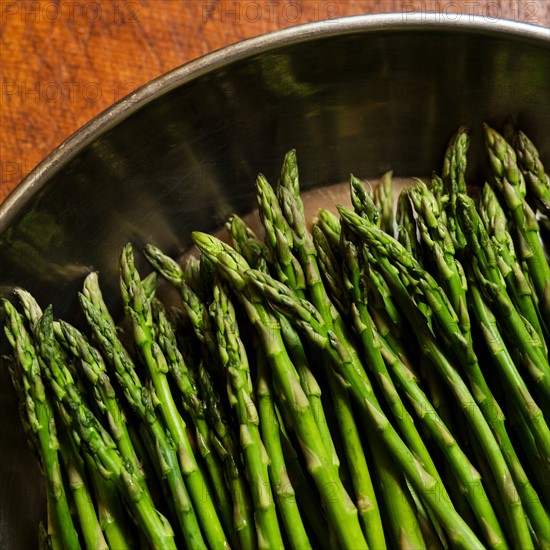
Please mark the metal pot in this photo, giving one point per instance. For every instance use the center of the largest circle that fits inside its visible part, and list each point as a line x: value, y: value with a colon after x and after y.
x: 361, y: 94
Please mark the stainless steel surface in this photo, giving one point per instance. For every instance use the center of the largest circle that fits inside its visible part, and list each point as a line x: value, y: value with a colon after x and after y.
x: 354, y: 95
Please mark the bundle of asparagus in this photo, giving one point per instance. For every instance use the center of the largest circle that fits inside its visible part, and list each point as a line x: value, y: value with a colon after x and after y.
x: 379, y: 381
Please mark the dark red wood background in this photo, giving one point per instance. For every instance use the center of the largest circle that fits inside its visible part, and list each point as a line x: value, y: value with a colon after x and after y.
x: 64, y: 61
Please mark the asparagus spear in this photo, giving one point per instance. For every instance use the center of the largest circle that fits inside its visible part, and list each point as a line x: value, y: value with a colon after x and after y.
x: 190, y: 300
x: 378, y: 358
x: 365, y: 498
x: 48, y: 537
x: 330, y: 226
x: 235, y: 361
x: 141, y: 401
x: 39, y: 416
x: 139, y: 310
x: 288, y: 269
x: 517, y: 284
x: 371, y: 346
x: 406, y: 226
x: 278, y: 235
x: 400, y: 337
x: 379, y: 291
x: 246, y: 243
x: 402, y: 522
x: 86, y: 514
x: 112, y: 515
x: 310, y: 321
x: 480, y: 390
x: 515, y: 385
x: 438, y: 241
x: 488, y: 275
x: 510, y: 184
x: 454, y: 182
x: 392, y: 258
x: 194, y: 406
x: 271, y: 434
x: 243, y: 509
x: 362, y: 200
x: 538, y: 182
x: 340, y: 510
x: 363, y: 203
x: 95, y: 371
x: 201, y: 325
x: 156, y: 528
x: 330, y: 270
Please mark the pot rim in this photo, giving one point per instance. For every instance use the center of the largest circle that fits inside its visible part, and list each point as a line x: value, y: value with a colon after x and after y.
x: 128, y: 105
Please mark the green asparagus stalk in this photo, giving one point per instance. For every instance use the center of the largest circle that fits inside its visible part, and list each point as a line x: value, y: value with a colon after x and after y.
x: 461, y: 466
x: 341, y: 512
x: 150, y: 285
x: 398, y: 337
x: 437, y: 187
x: 454, y: 182
x: 139, y: 310
x: 194, y: 406
x: 530, y: 165
x: 86, y: 514
x: 489, y: 276
x: 246, y: 242
x: 201, y: 325
x: 256, y: 460
x: 365, y: 499
x: 113, y: 517
x: 517, y: 284
x: 271, y: 435
x: 293, y: 208
x: 48, y: 536
x: 243, y: 509
x: 391, y: 256
x: 192, y: 303
x: 454, y: 163
x: 402, y: 525
x: 141, y: 402
x: 377, y: 360
x: 330, y: 226
x: 510, y: 184
x: 41, y: 421
x: 330, y: 270
x: 371, y: 346
x: 310, y: 321
x: 156, y: 528
x: 438, y: 241
x: 305, y: 494
x: 288, y: 269
x: 515, y: 385
x: 383, y: 306
x: 95, y: 371
x: 362, y: 200
x: 406, y: 226
x: 278, y: 235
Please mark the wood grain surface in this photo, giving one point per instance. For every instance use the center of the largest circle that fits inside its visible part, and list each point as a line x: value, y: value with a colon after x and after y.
x: 64, y: 61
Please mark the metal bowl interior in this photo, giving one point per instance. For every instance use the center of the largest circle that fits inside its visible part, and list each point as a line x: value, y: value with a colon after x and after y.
x: 362, y: 95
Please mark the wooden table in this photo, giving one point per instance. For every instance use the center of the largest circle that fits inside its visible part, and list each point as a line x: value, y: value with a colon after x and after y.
x: 64, y: 61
